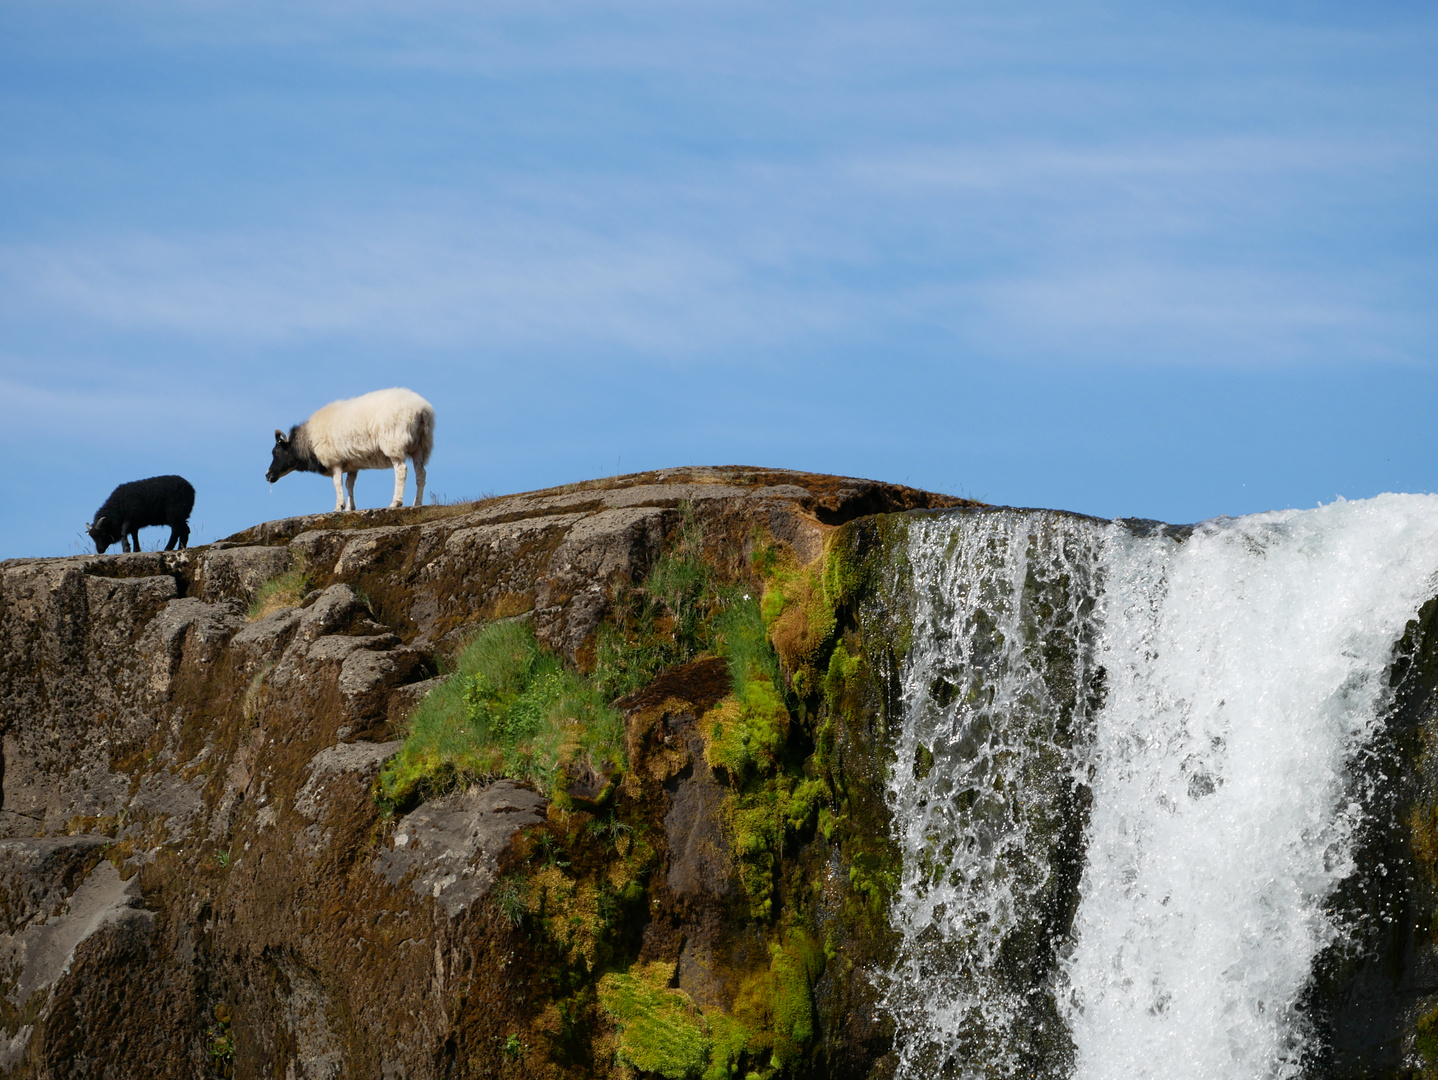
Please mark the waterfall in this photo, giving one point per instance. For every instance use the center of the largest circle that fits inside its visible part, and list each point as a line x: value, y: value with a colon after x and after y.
x: 1122, y: 785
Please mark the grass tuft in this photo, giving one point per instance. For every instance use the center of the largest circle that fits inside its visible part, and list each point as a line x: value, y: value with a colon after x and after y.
x: 509, y: 709
x: 281, y: 591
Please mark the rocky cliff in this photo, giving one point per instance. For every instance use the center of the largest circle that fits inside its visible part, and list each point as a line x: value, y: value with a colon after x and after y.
x: 206, y: 870
x: 581, y: 782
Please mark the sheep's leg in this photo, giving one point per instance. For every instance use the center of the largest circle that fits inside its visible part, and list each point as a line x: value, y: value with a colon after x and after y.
x: 350, y: 487
x: 418, y: 482
x: 338, y: 474
x: 125, y: 538
x: 179, y: 534
x: 400, y: 473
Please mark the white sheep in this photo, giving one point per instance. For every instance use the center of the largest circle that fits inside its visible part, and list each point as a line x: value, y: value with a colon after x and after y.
x: 368, y: 432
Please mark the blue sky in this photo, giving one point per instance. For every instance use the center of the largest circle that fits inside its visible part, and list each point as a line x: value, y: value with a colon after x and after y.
x: 1160, y: 260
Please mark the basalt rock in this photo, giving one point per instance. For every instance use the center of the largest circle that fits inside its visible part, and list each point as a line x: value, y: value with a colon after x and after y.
x: 195, y: 876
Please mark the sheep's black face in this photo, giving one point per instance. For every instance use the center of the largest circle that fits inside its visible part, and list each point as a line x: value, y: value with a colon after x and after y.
x: 283, y: 459
x: 103, y: 533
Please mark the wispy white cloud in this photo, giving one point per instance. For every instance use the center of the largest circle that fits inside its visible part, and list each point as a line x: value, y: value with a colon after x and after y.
x: 1026, y: 164
x: 1166, y: 314
x: 762, y: 180
x: 425, y: 281
x: 37, y: 400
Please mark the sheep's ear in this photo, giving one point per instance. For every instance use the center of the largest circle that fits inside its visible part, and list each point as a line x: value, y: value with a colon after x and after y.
x: 279, y: 436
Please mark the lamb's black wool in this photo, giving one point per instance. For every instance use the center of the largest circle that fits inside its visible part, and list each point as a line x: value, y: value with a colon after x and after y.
x: 160, y: 500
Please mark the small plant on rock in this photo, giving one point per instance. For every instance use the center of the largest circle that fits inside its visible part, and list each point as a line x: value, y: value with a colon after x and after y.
x: 512, y: 903
x: 220, y: 1043
x: 282, y: 590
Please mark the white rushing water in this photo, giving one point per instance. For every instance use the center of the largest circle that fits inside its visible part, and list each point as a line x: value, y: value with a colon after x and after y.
x: 1123, y: 789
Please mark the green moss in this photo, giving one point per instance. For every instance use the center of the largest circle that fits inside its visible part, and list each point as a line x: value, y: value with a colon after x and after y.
x: 801, y: 607
x: 728, y: 1042
x: 799, y: 614
x: 747, y: 732
x: 509, y: 709
x: 844, y: 576
x: 767, y: 806
x: 776, y: 1006
x: 1426, y: 1039
x: 794, y: 966
x: 659, y: 1030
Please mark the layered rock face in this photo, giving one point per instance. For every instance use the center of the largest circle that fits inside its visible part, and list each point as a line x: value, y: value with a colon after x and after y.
x: 196, y: 876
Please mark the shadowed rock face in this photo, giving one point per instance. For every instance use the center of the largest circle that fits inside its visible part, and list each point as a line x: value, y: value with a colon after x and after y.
x: 189, y: 848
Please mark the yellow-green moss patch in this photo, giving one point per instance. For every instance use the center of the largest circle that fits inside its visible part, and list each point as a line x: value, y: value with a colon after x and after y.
x: 745, y: 733
x: 659, y: 1029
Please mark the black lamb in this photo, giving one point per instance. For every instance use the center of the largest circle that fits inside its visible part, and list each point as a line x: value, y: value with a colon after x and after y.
x: 160, y: 500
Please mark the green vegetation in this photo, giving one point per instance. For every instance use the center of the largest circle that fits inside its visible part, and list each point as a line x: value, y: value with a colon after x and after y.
x: 282, y: 590
x: 666, y: 620
x: 739, y: 635
x: 509, y: 709
x: 748, y: 731
x: 777, y: 795
x: 780, y: 1002
x: 660, y: 1030
x: 221, y: 1043
x: 785, y: 742
x: 1426, y: 1039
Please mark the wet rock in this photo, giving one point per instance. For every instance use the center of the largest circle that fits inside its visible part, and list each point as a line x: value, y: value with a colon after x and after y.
x: 699, y: 859
x: 449, y: 848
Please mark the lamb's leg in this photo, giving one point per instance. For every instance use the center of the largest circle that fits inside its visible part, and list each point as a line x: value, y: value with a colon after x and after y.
x: 418, y: 484
x: 350, y: 486
x: 400, y: 473
x: 338, y: 474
